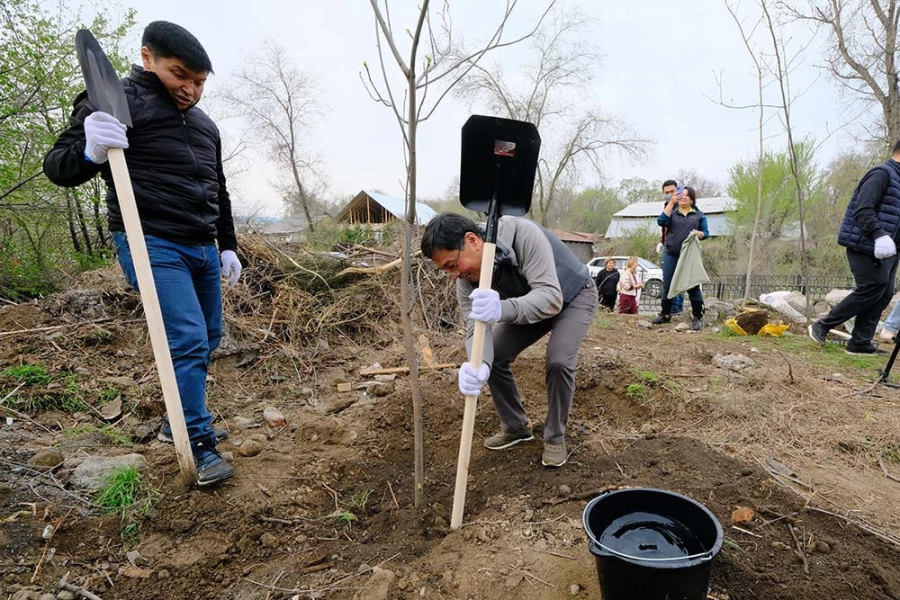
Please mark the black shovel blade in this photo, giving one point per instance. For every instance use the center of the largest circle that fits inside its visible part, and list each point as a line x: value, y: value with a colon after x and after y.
x: 498, y: 156
x: 104, y: 87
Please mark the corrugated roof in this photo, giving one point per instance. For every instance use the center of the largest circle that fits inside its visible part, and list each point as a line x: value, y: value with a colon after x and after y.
x: 716, y: 204
x: 395, y: 206
x: 573, y: 236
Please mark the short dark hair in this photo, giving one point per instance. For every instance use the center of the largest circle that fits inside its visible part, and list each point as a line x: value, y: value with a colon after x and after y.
x: 669, y: 182
x: 447, y: 231
x: 897, y: 147
x: 168, y: 40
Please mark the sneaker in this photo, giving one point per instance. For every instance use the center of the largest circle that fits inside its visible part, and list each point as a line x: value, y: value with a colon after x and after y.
x: 696, y: 324
x: 211, y: 467
x: 165, y: 434
x: 867, y: 348
x: 818, y: 333
x: 503, y: 440
x: 662, y: 319
x: 555, y: 455
x: 887, y: 335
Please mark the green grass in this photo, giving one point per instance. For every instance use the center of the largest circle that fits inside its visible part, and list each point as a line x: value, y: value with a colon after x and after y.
x: 112, y: 435
x: 120, y: 492
x: 830, y: 355
x: 126, y: 496
x: 603, y: 320
x: 27, y: 374
x: 635, y: 390
x: 649, y: 378
x: 359, y: 500
x: 108, y: 395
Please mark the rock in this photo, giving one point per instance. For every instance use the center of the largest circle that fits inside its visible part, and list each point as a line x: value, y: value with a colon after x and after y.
x: 65, y: 595
x: 643, y: 324
x: 682, y: 327
x: 514, y: 579
x: 440, y: 522
x: 823, y: 547
x: 25, y: 595
x: 780, y: 546
x: 268, y: 540
x: 717, y: 310
x: 47, y: 459
x: 228, y: 456
x: 250, y: 448
x: 244, y: 423
x: 47, y: 597
x: 574, y: 589
x: 94, y: 472
x: 834, y: 297
x: 378, y: 587
x: 651, y: 428
x: 383, y: 389
x: 344, y: 387
x: 144, y: 431
x: 124, y: 381
x: 112, y: 410
x: 386, y: 377
x: 565, y: 490
x: 797, y: 301
x: 529, y: 515
x: 274, y: 418
x: 732, y: 362
x: 135, y: 558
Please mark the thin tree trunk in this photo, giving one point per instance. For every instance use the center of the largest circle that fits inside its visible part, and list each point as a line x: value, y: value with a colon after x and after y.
x: 76, y: 244
x: 759, y: 189
x: 82, y: 224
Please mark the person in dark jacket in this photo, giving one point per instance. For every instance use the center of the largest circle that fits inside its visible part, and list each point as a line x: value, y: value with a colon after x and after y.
x: 607, y: 282
x: 669, y: 187
x: 869, y: 232
x: 681, y: 221
x: 174, y: 155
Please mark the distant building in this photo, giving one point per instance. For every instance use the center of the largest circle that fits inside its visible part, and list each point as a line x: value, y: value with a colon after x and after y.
x: 642, y: 215
x: 582, y: 244
x: 372, y: 208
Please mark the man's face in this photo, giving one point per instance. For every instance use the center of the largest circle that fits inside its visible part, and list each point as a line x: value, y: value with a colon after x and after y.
x: 668, y: 192
x: 464, y: 263
x: 184, y: 85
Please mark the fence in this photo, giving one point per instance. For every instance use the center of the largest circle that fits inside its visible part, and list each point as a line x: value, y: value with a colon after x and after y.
x: 731, y: 287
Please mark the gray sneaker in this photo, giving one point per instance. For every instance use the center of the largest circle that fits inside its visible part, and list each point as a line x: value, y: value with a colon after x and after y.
x: 555, y: 455
x: 502, y: 440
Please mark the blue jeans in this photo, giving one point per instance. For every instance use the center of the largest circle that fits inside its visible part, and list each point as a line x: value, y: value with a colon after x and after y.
x: 190, y: 296
x: 892, y: 323
x: 669, y: 262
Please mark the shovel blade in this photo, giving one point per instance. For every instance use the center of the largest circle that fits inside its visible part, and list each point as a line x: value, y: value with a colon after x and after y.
x: 498, y: 156
x: 103, y: 85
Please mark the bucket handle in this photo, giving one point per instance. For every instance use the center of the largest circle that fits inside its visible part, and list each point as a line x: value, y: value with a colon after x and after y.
x: 705, y: 556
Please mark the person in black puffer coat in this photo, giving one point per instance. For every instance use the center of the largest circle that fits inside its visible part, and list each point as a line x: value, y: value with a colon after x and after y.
x: 607, y: 284
x: 174, y: 155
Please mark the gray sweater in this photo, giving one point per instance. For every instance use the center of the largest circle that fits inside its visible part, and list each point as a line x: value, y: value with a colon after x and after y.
x: 535, y: 274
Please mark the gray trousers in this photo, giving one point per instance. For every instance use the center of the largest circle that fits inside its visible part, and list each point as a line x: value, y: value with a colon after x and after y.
x: 567, y: 331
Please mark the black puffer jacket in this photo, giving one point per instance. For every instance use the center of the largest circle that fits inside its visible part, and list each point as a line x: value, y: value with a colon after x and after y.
x: 174, y: 159
x: 607, y: 282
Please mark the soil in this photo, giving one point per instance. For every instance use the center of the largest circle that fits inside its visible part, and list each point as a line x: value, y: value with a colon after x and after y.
x: 800, y: 435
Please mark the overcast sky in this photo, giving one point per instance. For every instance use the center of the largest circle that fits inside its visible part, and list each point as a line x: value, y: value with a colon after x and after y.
x: 660, y: 58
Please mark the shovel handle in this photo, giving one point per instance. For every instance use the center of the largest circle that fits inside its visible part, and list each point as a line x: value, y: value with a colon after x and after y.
x: 153, y: 313
x: 468, y: 428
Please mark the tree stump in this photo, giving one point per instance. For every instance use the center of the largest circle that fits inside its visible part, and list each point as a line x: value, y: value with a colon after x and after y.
x: 752, y: 321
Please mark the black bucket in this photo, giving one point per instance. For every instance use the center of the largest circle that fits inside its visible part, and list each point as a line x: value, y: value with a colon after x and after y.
x: 651, y: 544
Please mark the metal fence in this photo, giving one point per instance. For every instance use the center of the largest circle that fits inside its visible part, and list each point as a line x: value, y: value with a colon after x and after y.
x: 731, y: 287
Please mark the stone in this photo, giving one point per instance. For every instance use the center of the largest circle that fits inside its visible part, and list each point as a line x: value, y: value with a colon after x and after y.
x: 682, y: 327
x: 383, y: 389
x: 25, y: 595
x: 732, y: 362
x: 250, y: 448
x: 574, y: 589
x: 268, y: 540
x: 94, y: 471
x: 47, y: 597
x: 65, y: 595
x: 46, y: 460
x: 378, y: 587
x: 835, y: 296
x: 244, y: 423
x: 228, y: 456
x: 565, y: 490
x: 344, y: 387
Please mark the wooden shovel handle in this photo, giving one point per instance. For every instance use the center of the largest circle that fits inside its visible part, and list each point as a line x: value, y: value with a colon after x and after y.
x: 468, y: 428
x: 150, y: 300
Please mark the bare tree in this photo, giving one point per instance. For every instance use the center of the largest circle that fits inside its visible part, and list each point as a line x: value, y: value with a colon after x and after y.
x: 280, y: 104
x: 438, y: 72
x: 863, y: 55
x: 575, y: 134
x: 705, y: 187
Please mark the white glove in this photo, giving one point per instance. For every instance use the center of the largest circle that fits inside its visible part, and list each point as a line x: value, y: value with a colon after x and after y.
x: 885, y: 247
x: 470, y: 380
x: 102, y: 131
x: 485, y: 305
x: 231, y: 267
x: 659, y: 248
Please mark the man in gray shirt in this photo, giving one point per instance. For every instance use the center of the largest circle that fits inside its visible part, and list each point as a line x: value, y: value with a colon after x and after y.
x: 539, y: 286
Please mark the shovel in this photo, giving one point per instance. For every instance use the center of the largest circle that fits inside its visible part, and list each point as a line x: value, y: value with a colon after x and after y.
x: 499, y: 159
x: 106, y: 94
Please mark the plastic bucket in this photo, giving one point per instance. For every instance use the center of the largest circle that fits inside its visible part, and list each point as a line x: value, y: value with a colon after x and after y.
x: 651, y: 544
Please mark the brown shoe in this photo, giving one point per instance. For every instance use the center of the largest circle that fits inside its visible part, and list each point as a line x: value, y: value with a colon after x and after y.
x: 555, y: 455
x: 503, y: 440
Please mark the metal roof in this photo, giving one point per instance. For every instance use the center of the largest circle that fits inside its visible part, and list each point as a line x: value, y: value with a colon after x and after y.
x: 395, y: 206
x: 716, y: 204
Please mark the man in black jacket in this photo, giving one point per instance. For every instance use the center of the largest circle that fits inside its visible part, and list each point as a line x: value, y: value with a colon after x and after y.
x: 175, y: 162
x: 869, y: 232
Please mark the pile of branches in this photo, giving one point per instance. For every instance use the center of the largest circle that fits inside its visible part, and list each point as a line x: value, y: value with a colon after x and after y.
x: 292, y: 295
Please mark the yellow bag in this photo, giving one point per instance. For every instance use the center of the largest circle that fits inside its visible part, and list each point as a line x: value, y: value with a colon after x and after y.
x: 773, y: 330
x: 733, y: 326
